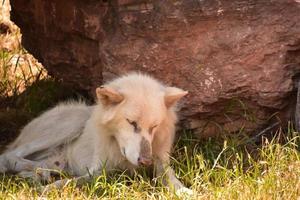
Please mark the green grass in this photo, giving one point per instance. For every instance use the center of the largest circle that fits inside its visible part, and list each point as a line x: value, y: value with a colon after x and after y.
x: 220, y: 168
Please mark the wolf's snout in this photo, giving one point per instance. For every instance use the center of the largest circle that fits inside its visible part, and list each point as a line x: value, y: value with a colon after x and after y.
x: 145, y: 155
x: 144, y: 161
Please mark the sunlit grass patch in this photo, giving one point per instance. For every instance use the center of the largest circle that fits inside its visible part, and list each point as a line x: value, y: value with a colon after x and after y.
x: 235, y: 171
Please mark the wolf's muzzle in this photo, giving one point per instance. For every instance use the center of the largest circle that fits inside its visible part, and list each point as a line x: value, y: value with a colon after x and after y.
x: 145, y: 158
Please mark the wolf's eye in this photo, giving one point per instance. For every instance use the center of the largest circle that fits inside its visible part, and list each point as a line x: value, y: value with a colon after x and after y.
x: 151, y: 129
x: 134, y: 124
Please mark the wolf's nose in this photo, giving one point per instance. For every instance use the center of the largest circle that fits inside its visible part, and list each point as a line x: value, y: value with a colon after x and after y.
x: 144, y: 161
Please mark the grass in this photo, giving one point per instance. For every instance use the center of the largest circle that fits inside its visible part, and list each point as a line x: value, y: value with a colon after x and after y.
x: 219, y: 168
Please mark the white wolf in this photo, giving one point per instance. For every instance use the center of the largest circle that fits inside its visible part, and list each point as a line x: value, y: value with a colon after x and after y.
x: 132, y: 124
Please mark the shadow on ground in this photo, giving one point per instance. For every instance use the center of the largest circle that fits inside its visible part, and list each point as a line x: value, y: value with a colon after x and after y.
x: 18, y: 110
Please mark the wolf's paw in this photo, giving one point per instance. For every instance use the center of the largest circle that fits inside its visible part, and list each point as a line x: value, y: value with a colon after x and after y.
x: 3, y: 169
x: 37, y: 175
x: 57, y: 185
x: 43, y: 174
x: 184, y: 192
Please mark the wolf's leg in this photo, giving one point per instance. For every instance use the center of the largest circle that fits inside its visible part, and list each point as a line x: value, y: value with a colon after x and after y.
x: 3, y: 164
x: 37, y: 175
x: 17, y: 164
x: 25, y: 168
x: 79, y: 180
x: 36, y: 145
x: 61, y: 183
x: 14, y: 159
x: 161, y: 148
x: 44, y: 168
x: 162, y: 169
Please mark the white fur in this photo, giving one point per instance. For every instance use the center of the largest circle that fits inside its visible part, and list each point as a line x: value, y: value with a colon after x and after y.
x: 84, y: 139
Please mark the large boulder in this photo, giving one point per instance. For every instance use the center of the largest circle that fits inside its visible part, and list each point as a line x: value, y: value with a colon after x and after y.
x: 237, y: 58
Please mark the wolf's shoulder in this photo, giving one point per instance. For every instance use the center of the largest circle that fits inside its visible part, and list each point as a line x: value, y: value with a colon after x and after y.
x: 72, y: 104
x: 69, y: 108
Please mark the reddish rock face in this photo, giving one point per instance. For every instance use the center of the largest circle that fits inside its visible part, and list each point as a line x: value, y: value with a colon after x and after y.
x: 238, y: 58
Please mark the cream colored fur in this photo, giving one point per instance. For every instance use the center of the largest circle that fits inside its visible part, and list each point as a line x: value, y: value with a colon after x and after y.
x: 83, y: 139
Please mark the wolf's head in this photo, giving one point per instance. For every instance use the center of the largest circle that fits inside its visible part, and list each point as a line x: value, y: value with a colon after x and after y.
x: 133, y: 109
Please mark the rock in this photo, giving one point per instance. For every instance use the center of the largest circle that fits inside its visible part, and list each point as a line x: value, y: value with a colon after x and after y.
x: 4, y: 29
x: 237, y: 58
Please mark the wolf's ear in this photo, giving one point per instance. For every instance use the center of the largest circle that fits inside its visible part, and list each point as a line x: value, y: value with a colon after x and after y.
x: 108, y: 96
x: 173, y: 94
